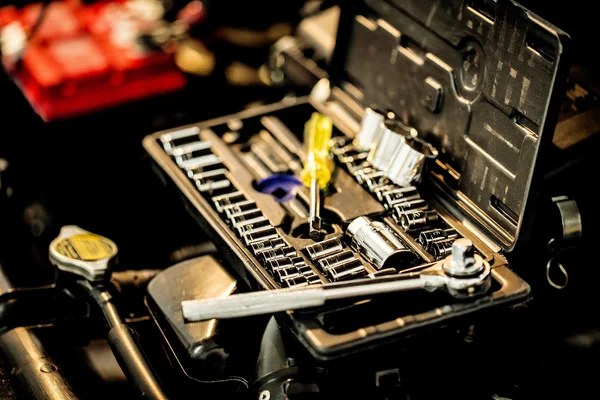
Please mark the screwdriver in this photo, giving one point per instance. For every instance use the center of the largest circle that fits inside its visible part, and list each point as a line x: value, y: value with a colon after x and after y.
x: 316, y: 173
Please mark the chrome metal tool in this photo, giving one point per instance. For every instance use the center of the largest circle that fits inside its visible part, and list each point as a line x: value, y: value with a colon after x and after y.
x: 378, y: 243
x: 370, y: 129
x: 464, y: 274
x: 410, y: 161
x: 393, y: 135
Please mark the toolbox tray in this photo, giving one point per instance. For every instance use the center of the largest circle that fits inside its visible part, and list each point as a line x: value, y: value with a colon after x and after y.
x: 421, y: 65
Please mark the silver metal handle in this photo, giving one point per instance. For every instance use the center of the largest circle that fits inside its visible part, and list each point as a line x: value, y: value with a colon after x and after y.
x: 255, y: 303
x: 272, y: 301
x: 463, y: 274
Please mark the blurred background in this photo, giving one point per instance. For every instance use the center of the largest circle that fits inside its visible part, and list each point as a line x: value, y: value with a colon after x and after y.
x: 101, y: 76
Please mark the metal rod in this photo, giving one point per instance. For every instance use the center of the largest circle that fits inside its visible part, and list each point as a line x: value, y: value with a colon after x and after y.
x: 314, y: 219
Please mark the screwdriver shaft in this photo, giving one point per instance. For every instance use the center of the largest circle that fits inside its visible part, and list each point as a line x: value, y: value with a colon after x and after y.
x: 316, y: 172
x: 314, y: 219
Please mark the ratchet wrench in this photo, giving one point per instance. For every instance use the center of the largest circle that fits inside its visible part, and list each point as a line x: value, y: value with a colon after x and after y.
x: 463, y: 275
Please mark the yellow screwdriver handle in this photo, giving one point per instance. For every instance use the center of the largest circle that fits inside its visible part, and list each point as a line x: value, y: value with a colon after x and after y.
x: 317, y: 136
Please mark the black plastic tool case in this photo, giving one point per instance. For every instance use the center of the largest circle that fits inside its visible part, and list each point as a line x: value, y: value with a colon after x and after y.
x: 480, y: 80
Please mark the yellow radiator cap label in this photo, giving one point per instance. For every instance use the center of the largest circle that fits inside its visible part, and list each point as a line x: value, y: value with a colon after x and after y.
x: 85, y: 247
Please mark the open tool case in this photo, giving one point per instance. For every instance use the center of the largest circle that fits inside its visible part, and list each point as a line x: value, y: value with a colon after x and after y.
x: 477, y: 79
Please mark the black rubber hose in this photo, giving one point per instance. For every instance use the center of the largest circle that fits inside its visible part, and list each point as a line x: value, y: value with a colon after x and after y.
x: 127, y: 352
x: 125, y: 347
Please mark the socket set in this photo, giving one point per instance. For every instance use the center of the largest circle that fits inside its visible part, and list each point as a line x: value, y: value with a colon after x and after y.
x: 453, y: 155
x: 210, y: 177
x: 274, y: 232
x: 374, y: 228
x: 404, y: 203
x: 194, y: 157
x: 391, y: 229
x: 335, y: 262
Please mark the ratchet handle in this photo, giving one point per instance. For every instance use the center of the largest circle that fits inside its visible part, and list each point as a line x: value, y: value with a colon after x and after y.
x: 272, y: 301
x: 255, y: 303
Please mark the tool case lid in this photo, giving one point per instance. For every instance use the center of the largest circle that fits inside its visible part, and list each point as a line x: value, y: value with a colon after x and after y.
x: 480, y: 79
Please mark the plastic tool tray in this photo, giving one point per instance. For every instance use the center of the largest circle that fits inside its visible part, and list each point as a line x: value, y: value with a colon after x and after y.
x: 223, y: 167
x: 218, y: 166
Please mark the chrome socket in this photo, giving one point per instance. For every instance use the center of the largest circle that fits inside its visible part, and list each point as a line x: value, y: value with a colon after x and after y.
x: 346, y: 270
x: 191, y: 148
x: 287, y: 262
x: 242, y: 216
x: 410, y: 160
x: 211, y: 164
x: 211, y: 187
x: 359, y: 169
x: 417, y: 219
x: 331, y: 261
x: 266, y: 245
x: 400, y: 195
x: 206, y: 176
x: 441, y: 248
x: 340, y: 142
x: 260, y: 234
x: 354, y: 158
x: 393, y: 135
x: 199, y: 162
x: 368, y: 173
x: 305, y: 270
x: 227, y: 199
x: 239, y: 207
x: 280, y: 263
x: 324, y: 248
x: 340, y: 148
x: 179, y: 138
x: 427, y: 238
x: 371, y: 127
x: 313, y: 279
x: 407, y: 206
x: 285, y: 251
x: 296, y: 281
x: 286, y: 273
x: 376, y: 182
x: 211, y: 180
x: 298, y: 261
x: 189, y: 151
x: 379, y: 191
x: 378, y: 243
x: 252, y: 224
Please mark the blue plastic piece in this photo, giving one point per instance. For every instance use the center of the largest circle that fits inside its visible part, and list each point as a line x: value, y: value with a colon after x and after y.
x: 281, y: 186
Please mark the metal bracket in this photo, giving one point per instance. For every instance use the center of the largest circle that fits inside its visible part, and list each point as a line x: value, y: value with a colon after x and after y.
x: 570, y: 217
x: 571, y: 230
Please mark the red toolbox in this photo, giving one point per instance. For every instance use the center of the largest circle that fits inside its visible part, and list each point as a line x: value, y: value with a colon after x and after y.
x: 83, y: 58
